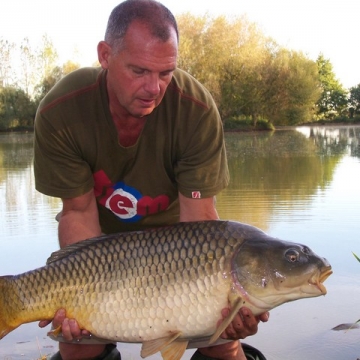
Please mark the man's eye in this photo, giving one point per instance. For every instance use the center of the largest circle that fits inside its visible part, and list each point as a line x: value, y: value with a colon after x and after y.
x: 138, y: 71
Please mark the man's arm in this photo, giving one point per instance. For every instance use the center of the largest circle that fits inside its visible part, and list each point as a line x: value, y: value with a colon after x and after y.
x: 197, y: 209
x: 79, y: 219
x: 244, y: 323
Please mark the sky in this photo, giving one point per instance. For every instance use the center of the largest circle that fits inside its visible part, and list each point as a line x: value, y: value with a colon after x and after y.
x: 330, y: 27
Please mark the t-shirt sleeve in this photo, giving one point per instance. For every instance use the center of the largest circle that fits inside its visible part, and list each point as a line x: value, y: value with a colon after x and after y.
x: 202, y: 170
x: 59, y: 168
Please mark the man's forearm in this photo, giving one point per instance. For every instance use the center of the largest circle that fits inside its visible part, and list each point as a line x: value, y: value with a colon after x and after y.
x: 197, y: 209
x: 75, y: 226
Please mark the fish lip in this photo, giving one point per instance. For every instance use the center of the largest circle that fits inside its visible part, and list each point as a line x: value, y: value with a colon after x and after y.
x: 318, y: 280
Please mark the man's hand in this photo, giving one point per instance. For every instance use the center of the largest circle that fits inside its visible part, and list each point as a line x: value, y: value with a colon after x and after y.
x: 69, y: 327
x: 71, y: 331
x: 243, y: 325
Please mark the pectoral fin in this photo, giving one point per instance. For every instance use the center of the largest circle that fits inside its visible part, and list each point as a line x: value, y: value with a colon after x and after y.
x: 153, y: 346
x: 227, y: 321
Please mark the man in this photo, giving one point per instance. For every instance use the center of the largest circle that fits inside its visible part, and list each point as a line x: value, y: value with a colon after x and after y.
x: 133, y: 144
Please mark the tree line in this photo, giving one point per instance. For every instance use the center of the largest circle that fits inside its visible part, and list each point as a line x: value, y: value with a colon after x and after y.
x: 26, y: 75
x: 249, y: 75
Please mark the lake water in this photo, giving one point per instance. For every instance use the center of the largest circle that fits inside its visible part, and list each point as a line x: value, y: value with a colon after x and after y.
x: 301, y: 185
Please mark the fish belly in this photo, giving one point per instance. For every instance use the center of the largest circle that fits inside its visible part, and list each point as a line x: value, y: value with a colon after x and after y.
x: 137, y: 314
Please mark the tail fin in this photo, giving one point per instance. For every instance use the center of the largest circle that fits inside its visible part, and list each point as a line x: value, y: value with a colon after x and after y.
x: 5, y: 306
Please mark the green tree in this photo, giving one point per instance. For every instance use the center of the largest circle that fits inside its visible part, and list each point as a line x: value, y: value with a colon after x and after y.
x: 207, y: 44
x: 52, y: 78
x: 276, y: 84
x: 292, y: 88
x: 247, y: 73
x: 243, y: 88
x: 354, y: 100
x: 48, y: 81
x: 17, y: 110
x: 334, y: 97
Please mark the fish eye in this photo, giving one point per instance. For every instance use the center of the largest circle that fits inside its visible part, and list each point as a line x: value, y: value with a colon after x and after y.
x: 292, y: 255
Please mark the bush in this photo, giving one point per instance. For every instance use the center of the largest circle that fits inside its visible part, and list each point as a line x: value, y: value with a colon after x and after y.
x: 245, y: 124
x: 17, y: 110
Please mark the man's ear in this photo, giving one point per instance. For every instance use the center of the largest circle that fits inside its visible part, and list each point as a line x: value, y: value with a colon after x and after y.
x: 104, y: 52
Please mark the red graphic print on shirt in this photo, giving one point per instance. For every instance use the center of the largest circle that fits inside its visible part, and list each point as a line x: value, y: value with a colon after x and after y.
x: 127, y: 203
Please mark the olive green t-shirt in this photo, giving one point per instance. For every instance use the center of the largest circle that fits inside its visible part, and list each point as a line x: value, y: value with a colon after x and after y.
x: 180, y: 149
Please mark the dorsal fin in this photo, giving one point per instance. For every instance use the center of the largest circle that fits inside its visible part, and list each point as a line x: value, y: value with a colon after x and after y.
x: 70, y: 249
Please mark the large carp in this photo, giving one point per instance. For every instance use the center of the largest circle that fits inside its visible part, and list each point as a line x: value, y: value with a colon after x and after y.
x: 166, y: 286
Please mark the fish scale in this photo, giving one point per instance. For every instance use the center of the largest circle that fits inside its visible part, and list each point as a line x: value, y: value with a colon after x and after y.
x: 161, y: 287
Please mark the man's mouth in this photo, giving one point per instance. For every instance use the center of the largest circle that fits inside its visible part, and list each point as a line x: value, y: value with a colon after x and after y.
x: 147, y: 102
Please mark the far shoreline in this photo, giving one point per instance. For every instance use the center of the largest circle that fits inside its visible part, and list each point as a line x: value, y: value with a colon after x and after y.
x: 246, y: 128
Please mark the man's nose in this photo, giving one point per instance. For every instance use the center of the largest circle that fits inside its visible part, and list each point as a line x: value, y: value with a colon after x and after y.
x: 152, y: 84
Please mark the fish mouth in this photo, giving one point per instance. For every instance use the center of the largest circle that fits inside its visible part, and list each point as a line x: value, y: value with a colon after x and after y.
x: 318, y: 280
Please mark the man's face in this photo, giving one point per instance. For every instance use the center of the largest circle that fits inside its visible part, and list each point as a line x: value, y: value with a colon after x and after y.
x: 140, y: 72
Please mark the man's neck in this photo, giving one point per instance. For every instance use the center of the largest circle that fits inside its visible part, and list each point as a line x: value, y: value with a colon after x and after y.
x: 128, y: 128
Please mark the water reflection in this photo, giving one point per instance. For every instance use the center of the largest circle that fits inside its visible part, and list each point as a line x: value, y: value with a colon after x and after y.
x: 27, y: 217
x: 15, y: 152
x: 281, y: 169
x: 335, y: 140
